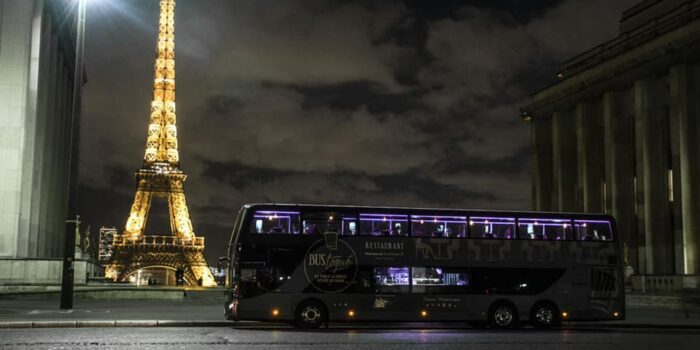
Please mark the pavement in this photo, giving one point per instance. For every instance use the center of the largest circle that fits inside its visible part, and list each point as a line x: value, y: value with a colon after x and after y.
x: 45, y: 313
x: 350, y: 338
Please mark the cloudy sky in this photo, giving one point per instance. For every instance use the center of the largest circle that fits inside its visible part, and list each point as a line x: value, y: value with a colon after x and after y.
x: 407, y: 103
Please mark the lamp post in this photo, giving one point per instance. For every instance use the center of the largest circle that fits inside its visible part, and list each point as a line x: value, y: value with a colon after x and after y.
x: 73, y: 221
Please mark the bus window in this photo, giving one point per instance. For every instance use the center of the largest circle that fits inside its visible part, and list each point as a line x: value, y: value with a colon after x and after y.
x: 318, y: 223
x: 383, y: 225
x: 253, y: 281
x: 267, y: 221
x: 593, y: 230
x: 436, y: 280
x: 438, y: 226
x: 513, y: 280
x: 492, y: 227
x: 349, y: 227
x: 391, y: 279
x: 544, y: 229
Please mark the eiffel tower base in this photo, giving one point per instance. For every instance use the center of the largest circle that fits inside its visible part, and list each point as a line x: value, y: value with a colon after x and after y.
x: 128, y: 259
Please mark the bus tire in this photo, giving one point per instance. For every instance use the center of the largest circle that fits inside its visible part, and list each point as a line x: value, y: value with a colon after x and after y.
x: 503, y: 315
x: 310, y: 314
x: 545, y: 315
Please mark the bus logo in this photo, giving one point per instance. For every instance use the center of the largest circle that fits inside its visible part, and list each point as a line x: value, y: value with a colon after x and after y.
x: 330, y: 264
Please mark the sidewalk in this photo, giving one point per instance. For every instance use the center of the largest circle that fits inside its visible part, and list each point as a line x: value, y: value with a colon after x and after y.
x: 106, y: 313
x: 204, y: 312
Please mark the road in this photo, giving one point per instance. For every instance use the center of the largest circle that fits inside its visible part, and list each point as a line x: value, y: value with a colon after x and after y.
x: 269, y: 337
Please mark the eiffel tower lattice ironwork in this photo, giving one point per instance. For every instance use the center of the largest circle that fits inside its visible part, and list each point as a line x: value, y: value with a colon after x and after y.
x: 161, y: 176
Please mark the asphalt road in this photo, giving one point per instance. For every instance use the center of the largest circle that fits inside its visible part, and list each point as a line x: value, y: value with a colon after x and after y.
x: 345, y: 338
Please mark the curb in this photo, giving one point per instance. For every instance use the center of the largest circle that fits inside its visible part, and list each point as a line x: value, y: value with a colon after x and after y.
x: 113, y: 324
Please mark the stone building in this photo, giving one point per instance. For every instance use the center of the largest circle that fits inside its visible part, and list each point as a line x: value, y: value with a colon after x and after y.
x: 37, y: 58
x: 619, y: 132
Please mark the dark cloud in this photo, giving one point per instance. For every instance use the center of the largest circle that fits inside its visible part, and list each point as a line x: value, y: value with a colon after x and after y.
x: 408, y: 103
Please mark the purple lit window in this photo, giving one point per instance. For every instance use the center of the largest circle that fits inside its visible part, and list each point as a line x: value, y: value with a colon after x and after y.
x: 275, y: 222
x: 383, y: 225
x: 439, y: 280
x: 593, y: 230
x: 545, y: 229
x: 318, y: 223
x: 391, y: 279
x: 492, y: 227
x: 349, y: 227
x: 438, y: 226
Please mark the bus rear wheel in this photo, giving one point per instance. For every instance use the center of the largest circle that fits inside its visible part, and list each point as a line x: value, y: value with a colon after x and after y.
x: 310, y: 314
x: 545, y: 315
x: 503, y: 315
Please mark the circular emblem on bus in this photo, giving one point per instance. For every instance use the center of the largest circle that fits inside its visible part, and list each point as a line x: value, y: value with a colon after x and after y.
x: 330, y: 264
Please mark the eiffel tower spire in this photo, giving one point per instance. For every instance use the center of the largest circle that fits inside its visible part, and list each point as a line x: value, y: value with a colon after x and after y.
x: 161, y: 176
x: 161, y: 144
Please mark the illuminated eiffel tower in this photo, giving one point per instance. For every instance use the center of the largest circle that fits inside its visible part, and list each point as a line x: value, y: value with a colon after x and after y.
x: 161, y: 176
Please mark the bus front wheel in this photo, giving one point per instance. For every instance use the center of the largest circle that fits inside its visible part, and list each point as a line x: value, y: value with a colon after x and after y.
x: 545, y: 315
x: 310, y: 314
x: 503, y: 315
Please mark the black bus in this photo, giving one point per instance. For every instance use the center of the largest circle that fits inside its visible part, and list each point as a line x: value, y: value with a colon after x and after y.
x: 311, y: 264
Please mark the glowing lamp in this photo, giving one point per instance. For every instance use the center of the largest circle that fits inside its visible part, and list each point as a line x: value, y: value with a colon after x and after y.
x: 564, y: 314
x: 351, y: 313
x: 423, y: 313
x: 275, y: 312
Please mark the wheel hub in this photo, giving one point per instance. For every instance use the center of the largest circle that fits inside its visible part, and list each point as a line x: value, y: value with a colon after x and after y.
x: 544, y: 316
x: 503, y: 316
x: 310, y: 314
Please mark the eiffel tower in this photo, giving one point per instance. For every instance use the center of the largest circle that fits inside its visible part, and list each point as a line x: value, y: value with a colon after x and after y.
x: 161, y: 176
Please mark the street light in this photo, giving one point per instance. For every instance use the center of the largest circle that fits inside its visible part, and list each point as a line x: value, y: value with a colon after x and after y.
x: 71, y: 217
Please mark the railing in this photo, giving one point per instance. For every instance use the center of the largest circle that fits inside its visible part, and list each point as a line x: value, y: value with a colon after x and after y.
x: 150, y: 240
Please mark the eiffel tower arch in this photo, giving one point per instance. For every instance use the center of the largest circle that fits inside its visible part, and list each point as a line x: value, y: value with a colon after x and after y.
x: 161, y: 177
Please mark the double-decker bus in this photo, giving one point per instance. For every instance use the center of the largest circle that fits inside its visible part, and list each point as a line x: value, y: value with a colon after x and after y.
x: 311, y: 264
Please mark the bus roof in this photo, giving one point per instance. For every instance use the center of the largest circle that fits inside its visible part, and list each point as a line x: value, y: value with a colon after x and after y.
x: 485, y: 211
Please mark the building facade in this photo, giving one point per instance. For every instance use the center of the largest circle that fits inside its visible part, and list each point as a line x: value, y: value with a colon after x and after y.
x: 619, y: 132
x: 37, y: 58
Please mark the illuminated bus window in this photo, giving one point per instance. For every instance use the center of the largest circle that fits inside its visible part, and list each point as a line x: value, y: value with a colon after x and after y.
x: 440, y: 280
x: 391, y: 279
x: 492, y: 227
x: 438, y: 226
x: 545, y: 229
x: 275, y: 222
x: 593, y: 230
x: 319, y: 223
x: 383, y: 225
x: 350, y: 227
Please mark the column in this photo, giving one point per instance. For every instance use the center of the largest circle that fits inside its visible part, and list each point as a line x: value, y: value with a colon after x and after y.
x: 685, y: 107
x: 564, y: 160
x: 651, y: 119
x: 34, y: 127
x: 48, y: 157
x: 541, y: 133
x: 589, y: 141
x: 618, y: 118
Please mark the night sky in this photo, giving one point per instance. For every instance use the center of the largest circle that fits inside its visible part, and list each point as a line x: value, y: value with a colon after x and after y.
x: 405, y: 103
